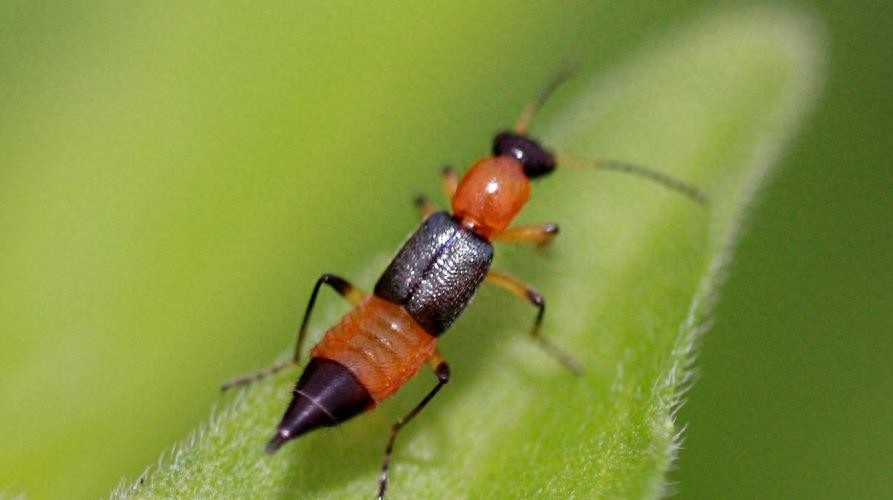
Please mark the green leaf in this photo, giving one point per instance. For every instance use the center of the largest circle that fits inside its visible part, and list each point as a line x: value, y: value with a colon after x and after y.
x: 629, y: 286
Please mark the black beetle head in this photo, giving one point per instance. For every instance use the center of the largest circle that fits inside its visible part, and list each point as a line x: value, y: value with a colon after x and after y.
x: 536, y: 160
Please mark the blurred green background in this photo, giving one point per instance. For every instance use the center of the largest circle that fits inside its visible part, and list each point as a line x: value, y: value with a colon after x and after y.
x: 174, y: 177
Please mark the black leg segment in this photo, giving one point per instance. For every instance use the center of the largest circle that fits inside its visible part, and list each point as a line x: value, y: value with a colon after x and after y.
x: 340, y: 285
x: 442, y: 370
x: 344, y: 289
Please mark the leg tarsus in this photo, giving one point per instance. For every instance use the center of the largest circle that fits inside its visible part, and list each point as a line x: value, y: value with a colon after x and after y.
x: 258, y: 375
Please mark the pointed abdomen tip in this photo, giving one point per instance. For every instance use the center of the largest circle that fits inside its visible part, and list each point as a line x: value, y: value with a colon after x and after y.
x: 277, y: 441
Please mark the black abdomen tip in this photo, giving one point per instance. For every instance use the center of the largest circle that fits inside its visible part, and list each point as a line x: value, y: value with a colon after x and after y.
x: 326, y: 394
x: 278, y: 440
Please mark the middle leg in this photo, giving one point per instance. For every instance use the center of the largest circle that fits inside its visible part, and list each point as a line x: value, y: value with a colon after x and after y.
x: 527, y: 293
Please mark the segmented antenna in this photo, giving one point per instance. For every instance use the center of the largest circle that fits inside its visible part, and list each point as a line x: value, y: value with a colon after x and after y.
x: 665, y: 180
x: 530, y: 110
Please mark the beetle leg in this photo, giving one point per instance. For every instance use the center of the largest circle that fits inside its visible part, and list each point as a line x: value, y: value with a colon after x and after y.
x: 425, y: 206
x: 442, y: 370
x: 527, y: 293
x: 340, y: 285
x: 450, y: 181
x: 539, y: 234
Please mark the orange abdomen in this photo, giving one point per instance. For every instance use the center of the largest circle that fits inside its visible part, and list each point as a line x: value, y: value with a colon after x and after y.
x: 380, y: 343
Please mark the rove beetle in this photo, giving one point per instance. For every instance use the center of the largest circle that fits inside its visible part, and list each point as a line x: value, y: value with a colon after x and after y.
x: 380, y: 344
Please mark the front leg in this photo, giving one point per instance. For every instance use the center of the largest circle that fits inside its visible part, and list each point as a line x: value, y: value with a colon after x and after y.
x: 539, y: 234
x: 450, y: 182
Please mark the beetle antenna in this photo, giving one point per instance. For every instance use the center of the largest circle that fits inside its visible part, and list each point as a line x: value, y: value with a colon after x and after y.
x: 665, y: 180
x: 534, y: 106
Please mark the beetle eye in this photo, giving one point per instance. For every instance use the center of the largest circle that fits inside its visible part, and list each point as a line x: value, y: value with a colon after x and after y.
x: 536, y: 160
